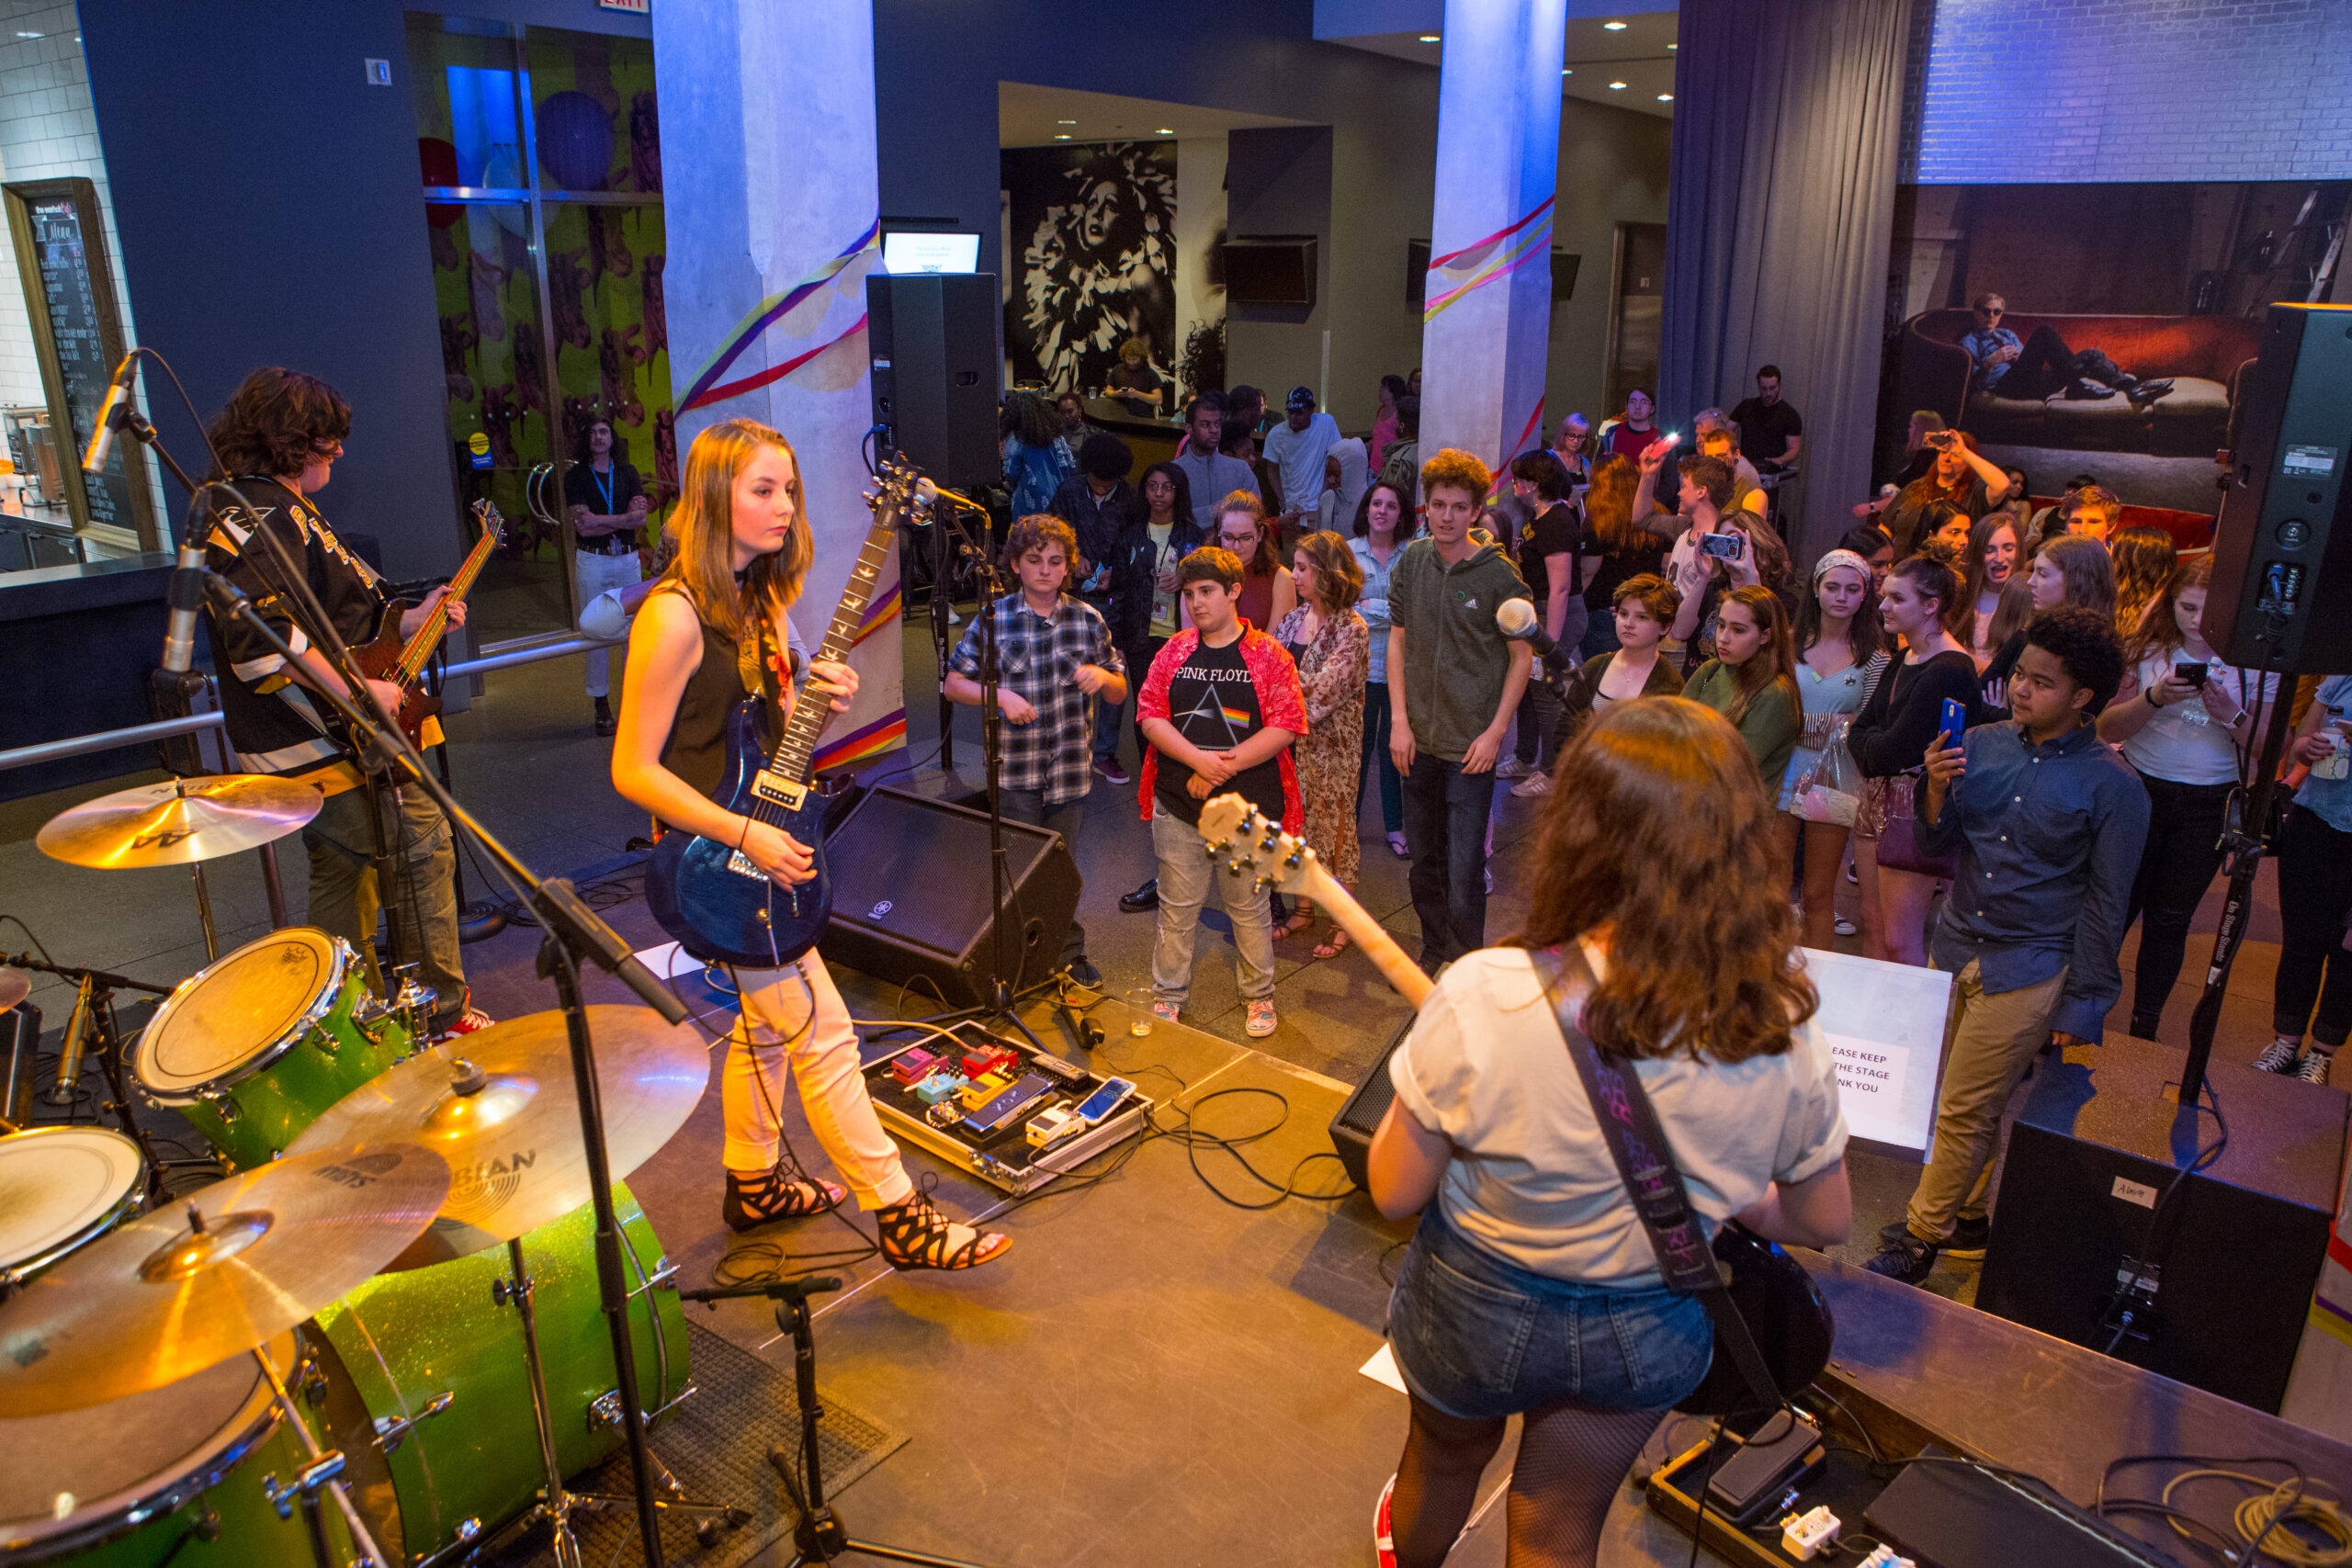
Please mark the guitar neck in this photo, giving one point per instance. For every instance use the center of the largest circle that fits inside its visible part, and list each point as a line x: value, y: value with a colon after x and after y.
x: 796, y: 752
x: 419, y: 649
x: 1370, y: 935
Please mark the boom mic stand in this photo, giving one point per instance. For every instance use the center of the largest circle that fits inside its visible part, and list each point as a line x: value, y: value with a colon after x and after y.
x: 572, y: 932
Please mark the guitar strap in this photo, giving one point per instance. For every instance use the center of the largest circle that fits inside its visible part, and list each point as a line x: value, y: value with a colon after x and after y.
x: 1645, y: 1163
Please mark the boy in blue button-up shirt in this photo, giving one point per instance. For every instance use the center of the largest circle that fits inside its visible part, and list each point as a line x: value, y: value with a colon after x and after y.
x: 2048, y: 820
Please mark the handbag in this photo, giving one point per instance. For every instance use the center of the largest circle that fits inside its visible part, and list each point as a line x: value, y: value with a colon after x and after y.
x: 1898, y: 842
x: 1768, y: 1314
x: 1831, y: 790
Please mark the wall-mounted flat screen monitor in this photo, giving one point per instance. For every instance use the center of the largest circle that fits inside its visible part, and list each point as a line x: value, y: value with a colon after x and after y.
x: 906, y: 254
x: 1273, y: 271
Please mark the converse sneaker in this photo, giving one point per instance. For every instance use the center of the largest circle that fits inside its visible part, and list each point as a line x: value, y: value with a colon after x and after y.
x: 1383, y: 1538
x: 2316, y: 1065
x: 1844, y: 927
x: 2279, y: 1056
x: 1261, y: 1019
x: 1904, y: 1257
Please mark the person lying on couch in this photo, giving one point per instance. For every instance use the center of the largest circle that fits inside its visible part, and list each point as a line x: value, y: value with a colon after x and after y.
x: 2043, y: 365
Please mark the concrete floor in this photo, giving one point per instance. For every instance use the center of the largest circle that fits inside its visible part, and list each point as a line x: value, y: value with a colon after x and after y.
x: 1152, y: 1374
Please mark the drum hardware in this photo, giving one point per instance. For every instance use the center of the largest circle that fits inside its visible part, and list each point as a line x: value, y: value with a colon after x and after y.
x: 392, y: 1430
x: 101, y: 1039
x: 70, y: 1046
x: 320, y: 1473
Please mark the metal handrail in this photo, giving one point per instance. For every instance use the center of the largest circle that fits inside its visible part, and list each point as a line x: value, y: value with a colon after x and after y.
x: 163, y: 729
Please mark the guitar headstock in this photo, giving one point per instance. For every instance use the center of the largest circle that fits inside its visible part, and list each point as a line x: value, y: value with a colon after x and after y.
x: 487, y: 515
x: 1239, y: 835
x: 892, y: 489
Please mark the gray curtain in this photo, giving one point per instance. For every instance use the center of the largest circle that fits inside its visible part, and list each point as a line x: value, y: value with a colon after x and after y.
x: 1778, y: 209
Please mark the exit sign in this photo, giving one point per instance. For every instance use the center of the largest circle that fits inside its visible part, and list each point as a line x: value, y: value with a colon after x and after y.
x: 637, y: 8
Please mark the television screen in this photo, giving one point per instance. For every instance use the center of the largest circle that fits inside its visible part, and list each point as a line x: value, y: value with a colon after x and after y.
x: 904, y: 254
x: 1270, y: 272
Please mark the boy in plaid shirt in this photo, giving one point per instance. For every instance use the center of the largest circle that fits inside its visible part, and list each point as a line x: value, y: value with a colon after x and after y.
x: 1054, y: 657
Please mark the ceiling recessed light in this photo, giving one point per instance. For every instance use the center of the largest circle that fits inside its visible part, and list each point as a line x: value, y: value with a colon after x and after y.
x: 1431, y: 38
x: 1616, y: 86
x: 1666, y: 97
x: 1166, y: 130
x: 1674, y: 46
x: 1565, y: 71
x: 29, y: 34
x: 1065, y: 122
x: 1061, y: 136
x: 1614, y: 26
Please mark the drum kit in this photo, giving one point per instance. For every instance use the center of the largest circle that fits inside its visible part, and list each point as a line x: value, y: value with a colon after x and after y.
x: 382, y: 1337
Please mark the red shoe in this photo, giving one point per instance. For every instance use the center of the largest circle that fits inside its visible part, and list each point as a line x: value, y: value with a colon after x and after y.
x: 1384, y: 1539
x: 473, y: 1020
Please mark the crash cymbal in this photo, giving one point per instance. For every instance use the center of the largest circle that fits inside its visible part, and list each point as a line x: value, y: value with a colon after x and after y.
x: 15, y: 987
x: 163, y: 1297
x: 499, y: 1106
x: 182, y: 821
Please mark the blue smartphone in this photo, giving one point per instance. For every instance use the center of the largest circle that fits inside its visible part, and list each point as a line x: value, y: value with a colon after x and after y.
x: 1955, y: 724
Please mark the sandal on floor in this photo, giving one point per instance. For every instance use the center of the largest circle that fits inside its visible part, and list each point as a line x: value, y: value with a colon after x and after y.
x: 1333, y: 945
x: 1293, y: 926
x: 916, y: 1235
x: 750, y: 1204
x: 1397, y: 847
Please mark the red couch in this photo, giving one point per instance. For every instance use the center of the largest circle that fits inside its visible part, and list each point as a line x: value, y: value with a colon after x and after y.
x: 2204, y: 355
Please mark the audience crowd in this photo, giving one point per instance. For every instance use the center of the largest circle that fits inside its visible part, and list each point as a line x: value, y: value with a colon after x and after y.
x: 1996, y: 717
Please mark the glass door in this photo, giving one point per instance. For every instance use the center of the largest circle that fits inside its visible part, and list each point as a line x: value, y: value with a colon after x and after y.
x: 541, y: 166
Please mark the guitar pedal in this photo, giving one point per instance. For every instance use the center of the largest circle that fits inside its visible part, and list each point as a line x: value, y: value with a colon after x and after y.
x: 913, y: 1065
x: 986, y: 1059
x: 940, y: 1087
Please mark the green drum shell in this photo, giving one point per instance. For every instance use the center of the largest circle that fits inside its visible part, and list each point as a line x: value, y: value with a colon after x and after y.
x: 253, y: 1118
x: 400, y: 1340
x: 155, y: 1520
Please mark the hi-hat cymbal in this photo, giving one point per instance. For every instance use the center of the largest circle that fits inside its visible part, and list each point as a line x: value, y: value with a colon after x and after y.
x: 15, y: 987
x: 184, y: 820
x: 500, y: 1106
x: 160, y: 1298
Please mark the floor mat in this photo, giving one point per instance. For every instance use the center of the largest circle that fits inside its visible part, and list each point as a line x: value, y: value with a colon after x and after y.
x: 716, y: 1444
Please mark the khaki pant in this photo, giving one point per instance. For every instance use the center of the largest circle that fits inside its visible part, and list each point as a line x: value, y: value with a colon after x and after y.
x: 344, y: 900
x: 1993, y: 1038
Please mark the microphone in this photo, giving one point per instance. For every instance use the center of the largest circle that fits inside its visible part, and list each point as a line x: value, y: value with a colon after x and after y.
x: 185, y: 598
x: 71, y: 1047
x: 223, y: 595
x: 1517, y: 620
x: 94, y: 460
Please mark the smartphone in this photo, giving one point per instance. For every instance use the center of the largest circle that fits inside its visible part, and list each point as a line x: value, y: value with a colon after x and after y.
x: 1103, y: 1100
x: 1725, y: 546
x: 2192, y: 672
x: 1955, y: 721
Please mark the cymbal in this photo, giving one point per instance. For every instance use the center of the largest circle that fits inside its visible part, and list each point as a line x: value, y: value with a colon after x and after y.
x: 500, y: 1106
x: 15, y: 987
x: 158, y: 1299
x: 179, y: 821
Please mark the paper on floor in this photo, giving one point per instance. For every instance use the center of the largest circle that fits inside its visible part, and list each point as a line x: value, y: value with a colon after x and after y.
x: 1382, y: 1369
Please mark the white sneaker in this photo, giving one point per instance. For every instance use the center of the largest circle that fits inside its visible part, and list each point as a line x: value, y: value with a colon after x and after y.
x: 2279, y: 1057
x: 1532, y: 785
x: 1512, y: 768
x: 1844, y: 927
x: 2316, y: 1065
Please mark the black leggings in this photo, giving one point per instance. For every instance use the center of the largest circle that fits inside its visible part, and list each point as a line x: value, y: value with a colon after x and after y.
x: 2314, y: 896
x: 2175, y: 868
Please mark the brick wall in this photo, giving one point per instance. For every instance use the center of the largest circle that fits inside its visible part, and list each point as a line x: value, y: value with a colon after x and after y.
x: 2084, y: 90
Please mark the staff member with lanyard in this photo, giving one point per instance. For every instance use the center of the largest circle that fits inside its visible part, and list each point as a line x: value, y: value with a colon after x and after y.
x: 608, y: 504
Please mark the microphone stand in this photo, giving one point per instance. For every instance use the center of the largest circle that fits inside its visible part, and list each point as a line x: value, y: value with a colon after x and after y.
x: 94, y: 1009
x: 572, y: 932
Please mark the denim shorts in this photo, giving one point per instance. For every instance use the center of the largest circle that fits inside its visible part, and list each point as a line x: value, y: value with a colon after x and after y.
x: 1478, y: 1337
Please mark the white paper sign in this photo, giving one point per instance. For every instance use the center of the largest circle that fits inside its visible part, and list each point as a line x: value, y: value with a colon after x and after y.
x: 1884, y: 1025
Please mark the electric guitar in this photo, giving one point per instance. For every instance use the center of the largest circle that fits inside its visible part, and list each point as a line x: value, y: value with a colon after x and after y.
x: 399, y: 661
x: 710, y: 896
x: 1246, y: 844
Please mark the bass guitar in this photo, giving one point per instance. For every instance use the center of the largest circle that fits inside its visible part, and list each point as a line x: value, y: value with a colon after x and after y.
x: 401, y: 660
x: 710, y: 896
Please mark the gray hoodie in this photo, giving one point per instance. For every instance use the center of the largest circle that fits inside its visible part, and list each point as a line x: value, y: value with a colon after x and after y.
x: 1455, y: 657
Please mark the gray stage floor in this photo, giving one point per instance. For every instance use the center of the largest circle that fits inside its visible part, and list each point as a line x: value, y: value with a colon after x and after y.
x: 1151, y: 1374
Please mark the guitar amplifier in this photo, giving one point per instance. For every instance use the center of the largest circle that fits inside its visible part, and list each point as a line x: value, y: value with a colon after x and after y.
x: 1360, y: 1118
x: 910, y: 897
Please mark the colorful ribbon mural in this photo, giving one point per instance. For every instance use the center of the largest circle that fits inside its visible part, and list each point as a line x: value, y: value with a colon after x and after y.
x: 706, y: 389
x: 1481, y: 261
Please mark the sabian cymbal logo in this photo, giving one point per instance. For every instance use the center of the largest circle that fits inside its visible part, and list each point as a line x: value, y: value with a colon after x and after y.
x: 360, y: 1172
x: 486, y: 1186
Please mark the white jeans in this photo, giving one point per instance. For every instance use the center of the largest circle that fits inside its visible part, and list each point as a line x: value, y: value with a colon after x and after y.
x: 594, y: 574
x: 1185, y: 874
x: 795, y: 1025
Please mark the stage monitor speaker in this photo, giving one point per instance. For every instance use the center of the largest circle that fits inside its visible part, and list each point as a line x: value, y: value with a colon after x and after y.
x: 2099, y: 1142
x: 1359, y: 1118
x: 937, y: 344
x: 910, y: 897
x: 2282, y: 550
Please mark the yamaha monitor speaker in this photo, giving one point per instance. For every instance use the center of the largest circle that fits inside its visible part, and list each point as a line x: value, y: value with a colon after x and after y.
x: 2100, y: 1139
x: 2282, y: 550
x: 936, y: 341
x: 1360, y: 1118
x: 910, y: 897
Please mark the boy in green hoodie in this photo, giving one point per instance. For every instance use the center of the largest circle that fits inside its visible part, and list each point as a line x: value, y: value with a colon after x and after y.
x: 1455, y: 681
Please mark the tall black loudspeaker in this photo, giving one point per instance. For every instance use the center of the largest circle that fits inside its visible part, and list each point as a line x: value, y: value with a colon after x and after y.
x: 2282, y: 552
x: 937, y: 344
x: 2099, y: 1141
x: 910, y: 897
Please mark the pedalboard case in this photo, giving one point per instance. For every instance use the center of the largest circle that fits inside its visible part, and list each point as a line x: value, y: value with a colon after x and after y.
x: 1004, y: 1154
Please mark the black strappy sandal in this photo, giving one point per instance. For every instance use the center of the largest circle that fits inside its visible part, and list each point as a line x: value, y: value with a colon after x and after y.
x: 915, y: 1234
x: 775, y: 1196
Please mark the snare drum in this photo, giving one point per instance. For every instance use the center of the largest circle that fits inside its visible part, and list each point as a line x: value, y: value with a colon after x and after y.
x: 63, y: 1188
x: 401, y: 1341
x: 255, y: 1046
x: 172, y: 1475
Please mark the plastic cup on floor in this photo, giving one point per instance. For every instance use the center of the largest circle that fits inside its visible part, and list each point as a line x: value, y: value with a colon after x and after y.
x: 1140, y: 1018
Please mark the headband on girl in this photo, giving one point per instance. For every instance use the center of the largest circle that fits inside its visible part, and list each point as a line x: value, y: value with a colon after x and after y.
x: 1821, y: 568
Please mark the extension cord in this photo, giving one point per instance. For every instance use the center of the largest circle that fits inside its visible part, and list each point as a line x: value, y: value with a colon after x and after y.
x: 1804, y: 1535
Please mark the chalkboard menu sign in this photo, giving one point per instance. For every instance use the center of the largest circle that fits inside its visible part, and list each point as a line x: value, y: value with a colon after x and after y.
x: 77, y: 333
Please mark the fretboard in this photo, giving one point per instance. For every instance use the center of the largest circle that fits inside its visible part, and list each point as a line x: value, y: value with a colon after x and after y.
x: 419, y: 649
x: 793, y: 754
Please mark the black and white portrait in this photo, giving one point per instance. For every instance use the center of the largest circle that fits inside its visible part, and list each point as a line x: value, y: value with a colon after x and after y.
x: 1096, y: 228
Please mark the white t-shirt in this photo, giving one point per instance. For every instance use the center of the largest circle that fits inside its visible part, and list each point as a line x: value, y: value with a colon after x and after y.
x: 1531, y: 1179
x: 1299, y: 454
x: 2181, y: 741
